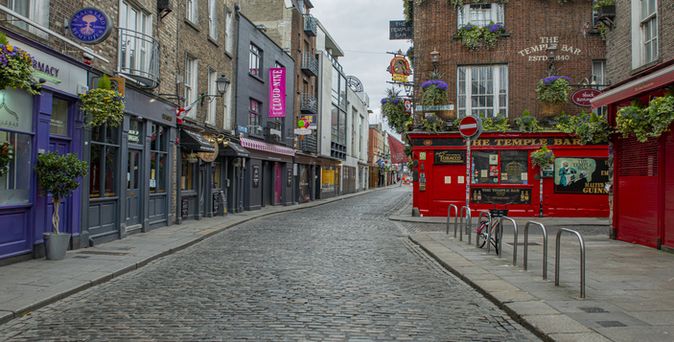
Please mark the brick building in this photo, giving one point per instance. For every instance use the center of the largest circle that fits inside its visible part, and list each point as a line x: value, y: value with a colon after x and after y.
x: 502, y: 80
x: 640, y: 67
x: 376, y: 155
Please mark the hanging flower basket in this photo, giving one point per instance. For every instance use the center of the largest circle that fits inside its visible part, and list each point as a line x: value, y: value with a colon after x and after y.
x: 393, y: 109
x: 16, y: 68
x: 103, y: 105
x: 542, y: 157
x: 553, y: 93
x: 434, y: 93
x: 6, y: 156
x: 649, y: 122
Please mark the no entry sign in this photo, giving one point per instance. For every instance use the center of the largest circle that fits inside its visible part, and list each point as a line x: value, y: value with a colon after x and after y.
x: 470, y: 127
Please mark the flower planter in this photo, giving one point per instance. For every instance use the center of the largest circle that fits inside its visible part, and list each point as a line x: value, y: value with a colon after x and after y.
x: 606, y: 12
x: 56, y: 245
x: 446, y: 115
x: 550, y: 109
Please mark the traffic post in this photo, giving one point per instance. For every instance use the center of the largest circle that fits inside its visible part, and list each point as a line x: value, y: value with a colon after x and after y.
x: 470, y: 128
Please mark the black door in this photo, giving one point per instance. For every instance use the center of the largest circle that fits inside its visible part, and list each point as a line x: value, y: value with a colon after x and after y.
x: 133, y: 190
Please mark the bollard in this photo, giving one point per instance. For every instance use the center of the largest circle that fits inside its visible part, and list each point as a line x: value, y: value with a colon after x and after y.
x: 515, y: 234
x: 456, y: 217
x: 545, y: 246
x: 582, y: 258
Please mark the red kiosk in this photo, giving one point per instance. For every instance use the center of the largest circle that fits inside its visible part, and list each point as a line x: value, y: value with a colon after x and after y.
x: 503, y: 177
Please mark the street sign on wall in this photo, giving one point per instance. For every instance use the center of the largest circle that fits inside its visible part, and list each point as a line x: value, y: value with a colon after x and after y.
x: 400, y: 29
x: 582, y: 97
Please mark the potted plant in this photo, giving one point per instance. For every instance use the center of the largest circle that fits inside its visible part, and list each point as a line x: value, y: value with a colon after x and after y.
x: 527, y: 122
x: 542, y: 157
x: 58, y: 175
x: 434, y: 93
x: 605, y: 8
x: 6, y: 156
x: 494, y: 124
x: 103, y: 105
x: 591, y: 128
x: 476, y: 37
x: 393, y: 109
x: 553, y: 93
x: 16, y: 68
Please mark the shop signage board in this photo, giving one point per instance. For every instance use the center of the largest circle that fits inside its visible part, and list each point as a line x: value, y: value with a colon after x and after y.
x: 539, y: 51
x: 400, y: 69
x: 501, y: 196
x: 277, y: 92
x: 90, y: 25
x: 587, y: 176
x: 450, y: 157
x: 303, y: 131
x: 583, y: 97
x: 499, y: 142
x: 400, y: 29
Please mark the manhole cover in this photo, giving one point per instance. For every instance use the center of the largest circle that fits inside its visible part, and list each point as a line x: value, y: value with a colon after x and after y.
x: 593, y: 309
x: 611, y: 324
x: 103, y: 253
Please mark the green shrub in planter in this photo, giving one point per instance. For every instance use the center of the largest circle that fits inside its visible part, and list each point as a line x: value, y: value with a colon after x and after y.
x: 59, y: 175
x: 527, y: 123
x: 591, y: 128
x: 649, y: 122
x: 542, y: 157
x: 103, y: 105
x: 494, y: 124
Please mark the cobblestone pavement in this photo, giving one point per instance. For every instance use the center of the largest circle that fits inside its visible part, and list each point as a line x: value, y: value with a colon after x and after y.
x: 336, y: 272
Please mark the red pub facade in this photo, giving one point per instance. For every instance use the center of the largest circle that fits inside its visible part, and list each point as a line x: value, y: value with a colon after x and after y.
x: 503, y: 176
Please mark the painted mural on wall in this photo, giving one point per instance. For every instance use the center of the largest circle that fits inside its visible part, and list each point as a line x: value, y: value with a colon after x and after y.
x: 581, y: 176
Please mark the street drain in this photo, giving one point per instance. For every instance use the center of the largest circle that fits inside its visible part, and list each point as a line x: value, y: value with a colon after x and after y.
x: 611, y: 324
x: 593, y: 309
x: 103, y: 253
x: 522, y: 243
x: 81, y: 257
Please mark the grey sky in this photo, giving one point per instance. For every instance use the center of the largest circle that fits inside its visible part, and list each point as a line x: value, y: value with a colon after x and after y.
x: 360, y: 27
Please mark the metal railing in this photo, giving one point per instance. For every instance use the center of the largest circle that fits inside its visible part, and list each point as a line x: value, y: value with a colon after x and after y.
x: 310, y: 64
x: 456, y: 217
x: 309, y: 143
x: 545, y: 246
x: 465, y: 212
x: 582, y: 258
x: 310, y: 25
x: 139, y: 57
x: 515, y: 237
x: 487, y: 214
x: 309, y: 104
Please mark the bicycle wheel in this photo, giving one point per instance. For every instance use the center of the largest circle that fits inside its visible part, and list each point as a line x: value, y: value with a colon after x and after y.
x: 482, y: 232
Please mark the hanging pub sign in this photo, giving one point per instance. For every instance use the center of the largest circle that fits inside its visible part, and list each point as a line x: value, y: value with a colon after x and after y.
x: 582, y: 97
x: 450, y: 157
x: 400, y: 70
x: 90, y: 25
x: 277, y: 92
x: 587, y: 176
x: 400, y: 29
x: 501, y: 196
x: 210, y: 157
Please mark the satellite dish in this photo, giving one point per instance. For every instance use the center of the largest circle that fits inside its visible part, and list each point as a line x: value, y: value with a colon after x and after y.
x: 355, y: 84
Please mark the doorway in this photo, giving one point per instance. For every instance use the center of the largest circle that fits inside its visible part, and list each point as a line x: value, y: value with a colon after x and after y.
x: 133, y: 190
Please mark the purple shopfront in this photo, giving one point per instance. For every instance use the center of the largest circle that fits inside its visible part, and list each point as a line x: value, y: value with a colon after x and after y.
x: 30, y: 125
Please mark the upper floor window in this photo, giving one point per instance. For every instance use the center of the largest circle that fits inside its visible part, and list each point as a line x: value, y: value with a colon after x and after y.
x: 212, y: 20
x: 191, y: 85
x: 483, y: 90
x: 480, y: 14
x: 649, y: 30
x: 229, y: 31
x: 35, y: 10
x: 255, y: 61
x: 192, y: 12
x: 135, y: 43
x: 254, y: 116
x: 213, y: 101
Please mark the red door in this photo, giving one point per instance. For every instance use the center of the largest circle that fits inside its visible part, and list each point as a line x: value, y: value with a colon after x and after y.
x: 669, y: 192
x: 278, y: 183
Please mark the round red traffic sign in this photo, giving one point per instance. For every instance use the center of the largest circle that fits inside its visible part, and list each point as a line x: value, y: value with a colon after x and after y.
x: 470, y: 126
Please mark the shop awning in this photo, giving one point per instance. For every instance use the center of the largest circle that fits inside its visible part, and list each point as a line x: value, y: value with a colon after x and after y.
x: 655, y: 80
x: 266, y: 147
x: 195, y: 142
x: 235, y: 150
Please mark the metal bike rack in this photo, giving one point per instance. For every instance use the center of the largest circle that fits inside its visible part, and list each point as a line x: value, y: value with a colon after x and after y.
x: 465, y: 212
x: 582, y: 258
x: 456, y: 217
x: 515, y: 235
x: 545, y: 246
x: 487, y: 214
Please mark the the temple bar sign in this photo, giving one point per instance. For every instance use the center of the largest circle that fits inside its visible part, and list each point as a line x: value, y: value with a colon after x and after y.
x: 539, y: 52
x: 400, y: 29
x: 526, y: 142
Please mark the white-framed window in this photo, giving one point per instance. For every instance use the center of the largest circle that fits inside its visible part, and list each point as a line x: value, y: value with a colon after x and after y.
x: 35, y: 10
x: 191, y: 85
x: 482, y: 90
x: 212, y: 20
x: 135, y: 43
x: 255, y: 61
x: 480, y: 14
x: 649, y: 30
x: 229, y: 31
x: 227, y: 102
x: 598, y: 72
x: 212, y: 101
x: 192, y: 12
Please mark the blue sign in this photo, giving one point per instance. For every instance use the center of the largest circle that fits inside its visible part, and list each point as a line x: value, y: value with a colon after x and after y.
x: 243, y: 129
x: 90, y: 25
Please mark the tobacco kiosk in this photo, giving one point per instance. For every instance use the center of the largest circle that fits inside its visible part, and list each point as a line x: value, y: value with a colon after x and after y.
x: 503, y: 177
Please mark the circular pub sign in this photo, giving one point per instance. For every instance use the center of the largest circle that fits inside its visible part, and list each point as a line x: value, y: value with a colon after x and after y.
x: 470, y: 127
x: 582, y: 97
x: 90, y: 25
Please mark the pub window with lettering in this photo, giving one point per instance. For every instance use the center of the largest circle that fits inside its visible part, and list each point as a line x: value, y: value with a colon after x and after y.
x: 504, y: 167
x: 16, y: 122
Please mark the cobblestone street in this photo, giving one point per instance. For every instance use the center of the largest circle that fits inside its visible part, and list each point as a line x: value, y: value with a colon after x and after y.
x: 336, y: 272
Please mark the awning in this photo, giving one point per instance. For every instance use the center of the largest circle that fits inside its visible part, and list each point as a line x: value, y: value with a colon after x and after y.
x: 235, y: 150
x: 195, y: 142
x: 266, y: 147
x: 655, y: 80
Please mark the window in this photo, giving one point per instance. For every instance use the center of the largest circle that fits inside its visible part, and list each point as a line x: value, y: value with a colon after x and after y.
x: 354, y: 134
x: 229, y: 31
x: 505, y: 167
x: 212, y: 101
x: 334, y: 123
x: 598, y: 72
x: 135, y: 46
x: 158, y: 158
x: 16, y: 114
x: 227, y: 103
x: 192, y: 12
x: 649, y: 31
x: 480, y: 14
x: 35, y: 10
x: 212, y: 20
x: 254, y: 116
x: 483, y: 90
x: 104, y: 148
x: 191, y: 86
x: 187, y: 175
x: 255, y: 61
x: 58, y: 124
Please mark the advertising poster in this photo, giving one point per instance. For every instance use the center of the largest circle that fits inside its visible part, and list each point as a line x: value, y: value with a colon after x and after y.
x: 327, y: 180
x: 581, y: 176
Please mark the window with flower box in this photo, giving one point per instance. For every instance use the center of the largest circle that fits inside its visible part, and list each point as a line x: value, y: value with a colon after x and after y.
x: 480, y: 14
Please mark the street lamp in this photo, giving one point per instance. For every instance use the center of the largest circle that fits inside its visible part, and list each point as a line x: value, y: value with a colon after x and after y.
x: 435, y: 59
x: 221, y: 85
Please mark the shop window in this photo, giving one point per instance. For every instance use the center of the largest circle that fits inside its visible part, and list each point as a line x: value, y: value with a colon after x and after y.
x: 187, y: 176
x: 103, y: 162
x: 158, y: 158
x: 480, y: 14
x: 135, y: 134
x: 58, y: 125
x: 217, y: 175
x: 505, y: 167
x: 16, y: 114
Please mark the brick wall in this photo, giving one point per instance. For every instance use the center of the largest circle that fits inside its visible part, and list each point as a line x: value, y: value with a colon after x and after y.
x: 529, y: 24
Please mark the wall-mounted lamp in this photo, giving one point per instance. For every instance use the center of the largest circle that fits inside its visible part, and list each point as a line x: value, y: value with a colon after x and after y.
x: 221, y: 85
